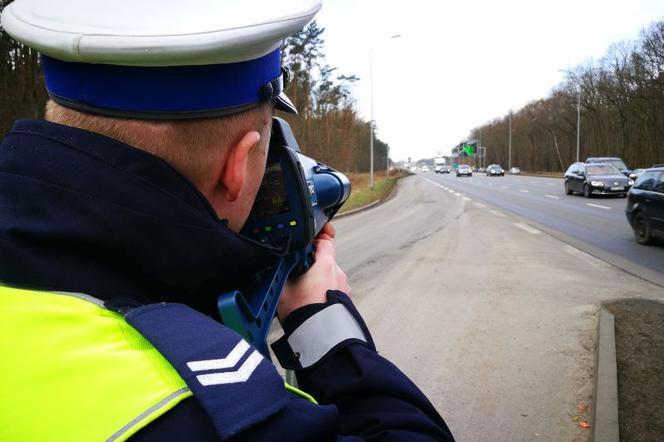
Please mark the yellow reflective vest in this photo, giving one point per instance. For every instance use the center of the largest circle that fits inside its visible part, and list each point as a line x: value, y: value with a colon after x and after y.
x: 71, y: 370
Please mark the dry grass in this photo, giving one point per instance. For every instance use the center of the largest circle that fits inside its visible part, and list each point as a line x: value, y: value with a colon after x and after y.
x: 362, y: 195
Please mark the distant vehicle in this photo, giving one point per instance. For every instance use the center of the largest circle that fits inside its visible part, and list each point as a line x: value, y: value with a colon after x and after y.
x: 645, y: 206
x: 425, y: 168
x: 438, y: 162
x: 596, y: 178
x: 481, y: 170
x: 443, y: 169
x: 515, y: 171
x: 616, y: 162
x: 413, y: 169
x: 495, y: 170
x: 464, y: 170
x: 637, y: 173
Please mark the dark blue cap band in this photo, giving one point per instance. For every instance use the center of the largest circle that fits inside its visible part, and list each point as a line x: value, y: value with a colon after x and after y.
x: 161, y: 92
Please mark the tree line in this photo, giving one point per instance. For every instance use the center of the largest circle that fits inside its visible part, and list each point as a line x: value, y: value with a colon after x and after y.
x: 327, y: 128
x: 621, y: 107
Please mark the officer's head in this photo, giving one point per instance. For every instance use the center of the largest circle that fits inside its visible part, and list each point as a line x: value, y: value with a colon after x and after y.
x: 194, y: 83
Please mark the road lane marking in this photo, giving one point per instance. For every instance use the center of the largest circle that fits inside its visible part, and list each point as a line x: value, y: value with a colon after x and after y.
x: 480, y: 205
x: 465, y: 198
x: 552, y: 197
x: 598, y: 206
x: 527, y: 228
x: 497, y: 213
x: 457, y: 193
x: 524, y: 190
x: 450, y: 190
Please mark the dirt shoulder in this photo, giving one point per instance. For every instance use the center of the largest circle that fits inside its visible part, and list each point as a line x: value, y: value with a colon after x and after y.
x: 639, y: 327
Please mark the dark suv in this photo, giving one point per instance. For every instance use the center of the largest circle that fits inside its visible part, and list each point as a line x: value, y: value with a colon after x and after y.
x: 616, y: 162
x: 645, y: 205
x: 597, y: 178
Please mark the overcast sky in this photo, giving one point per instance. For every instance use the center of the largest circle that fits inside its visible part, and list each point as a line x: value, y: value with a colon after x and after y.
x: 461, y: 63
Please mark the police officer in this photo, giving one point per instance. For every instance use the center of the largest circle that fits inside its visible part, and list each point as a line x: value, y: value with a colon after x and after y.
x: 118, y: 228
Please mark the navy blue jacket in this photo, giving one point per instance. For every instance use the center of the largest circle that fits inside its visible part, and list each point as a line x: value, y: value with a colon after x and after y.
x: 81, y: 212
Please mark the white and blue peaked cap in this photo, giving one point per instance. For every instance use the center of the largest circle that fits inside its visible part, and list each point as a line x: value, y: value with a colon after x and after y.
x: 160, y: 59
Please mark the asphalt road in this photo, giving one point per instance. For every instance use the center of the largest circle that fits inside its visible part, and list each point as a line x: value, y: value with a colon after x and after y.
x: 597, y: 225
x: 494, y: 319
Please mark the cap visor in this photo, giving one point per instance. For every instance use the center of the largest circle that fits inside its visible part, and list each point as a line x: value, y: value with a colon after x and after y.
x: 283, y: 103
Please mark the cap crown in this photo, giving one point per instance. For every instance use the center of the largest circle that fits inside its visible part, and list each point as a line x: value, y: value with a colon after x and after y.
x: 156, y: 32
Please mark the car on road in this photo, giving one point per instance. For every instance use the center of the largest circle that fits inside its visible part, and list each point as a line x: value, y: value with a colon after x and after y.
x: 515, y: 171
x: 596, y: 178
x: 443, y: 169
x: 645, y: 206
x: 425, y: 168
x: 413, y: 169
x: 495, y: 170
x: 616, y: 162
x: 464, y: 170
x: 637, y: 173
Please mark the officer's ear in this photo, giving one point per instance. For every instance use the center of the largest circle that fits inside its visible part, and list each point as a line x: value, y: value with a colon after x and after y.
x: 234, y: 175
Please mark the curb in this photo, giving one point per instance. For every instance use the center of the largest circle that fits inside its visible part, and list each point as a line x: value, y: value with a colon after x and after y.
x: 359, y: 209
x: 605, y: 394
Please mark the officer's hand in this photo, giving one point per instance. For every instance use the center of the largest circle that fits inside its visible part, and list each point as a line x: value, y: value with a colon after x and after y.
x: 324, y: 275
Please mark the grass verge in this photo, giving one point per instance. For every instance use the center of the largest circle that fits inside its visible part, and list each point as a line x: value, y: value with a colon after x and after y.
x: 362, y: 195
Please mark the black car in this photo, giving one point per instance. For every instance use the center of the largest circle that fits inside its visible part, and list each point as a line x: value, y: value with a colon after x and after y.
x: 645, y: 206
x: 616, y: 162
x: 598, y: 178
x: 495, y: 170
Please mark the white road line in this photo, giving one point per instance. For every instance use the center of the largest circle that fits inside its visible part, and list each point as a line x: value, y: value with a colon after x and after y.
x: 598, y: 206
x: 553, y: 197
x: 450, y: 190
x: 480, y: 205
x: 524, y: 190
x: 527, y: 228
x: 465, y: 198
x: 497, y: 213
x: 457, y: 193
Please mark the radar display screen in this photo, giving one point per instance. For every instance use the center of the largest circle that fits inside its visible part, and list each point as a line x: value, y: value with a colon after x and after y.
x: 272, y: 198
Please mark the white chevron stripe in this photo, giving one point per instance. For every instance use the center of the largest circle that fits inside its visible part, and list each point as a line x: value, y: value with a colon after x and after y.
x: 232, y: 377
x: 216, y: 364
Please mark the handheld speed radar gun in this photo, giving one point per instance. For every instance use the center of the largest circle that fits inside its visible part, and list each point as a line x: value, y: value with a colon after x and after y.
x: 297, y: 197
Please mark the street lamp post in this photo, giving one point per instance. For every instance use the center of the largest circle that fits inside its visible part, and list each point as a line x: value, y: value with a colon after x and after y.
x: 371, y: 123
x: 578, y: 122
x: 509, y: 161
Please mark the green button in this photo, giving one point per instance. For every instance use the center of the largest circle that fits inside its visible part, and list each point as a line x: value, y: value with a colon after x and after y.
x: 268, y: 228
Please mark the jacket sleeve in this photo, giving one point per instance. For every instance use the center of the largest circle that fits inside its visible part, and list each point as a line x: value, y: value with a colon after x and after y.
x: 375, y: 400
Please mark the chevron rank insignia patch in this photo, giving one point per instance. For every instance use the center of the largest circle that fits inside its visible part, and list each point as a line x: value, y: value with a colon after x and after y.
x: 219, y: 373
